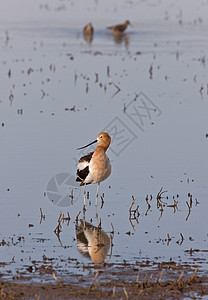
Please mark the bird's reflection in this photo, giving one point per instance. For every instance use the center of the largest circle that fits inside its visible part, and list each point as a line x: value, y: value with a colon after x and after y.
x: 88, y: 32
x: 121, y: 37
x: 92, y: 241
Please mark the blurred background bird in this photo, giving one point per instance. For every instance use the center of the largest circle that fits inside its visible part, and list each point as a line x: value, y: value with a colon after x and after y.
x: 119, y: 28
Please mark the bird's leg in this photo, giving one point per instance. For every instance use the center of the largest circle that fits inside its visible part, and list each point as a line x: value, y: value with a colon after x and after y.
x: 84, y: 195
x: 97, y: 216
x: 97, y: 194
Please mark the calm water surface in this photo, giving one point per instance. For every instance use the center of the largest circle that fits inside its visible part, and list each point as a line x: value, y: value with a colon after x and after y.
x: 55, y: 97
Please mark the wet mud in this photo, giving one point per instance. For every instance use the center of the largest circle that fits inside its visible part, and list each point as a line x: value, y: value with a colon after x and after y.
x: 129, y: 284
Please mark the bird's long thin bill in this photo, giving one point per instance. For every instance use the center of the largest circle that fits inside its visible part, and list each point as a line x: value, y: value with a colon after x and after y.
x: 87, y: 145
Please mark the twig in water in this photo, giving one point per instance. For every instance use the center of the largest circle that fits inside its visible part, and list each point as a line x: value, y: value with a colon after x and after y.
x: 189, y: 205
x: 133, y: 201
x: 77, y: 217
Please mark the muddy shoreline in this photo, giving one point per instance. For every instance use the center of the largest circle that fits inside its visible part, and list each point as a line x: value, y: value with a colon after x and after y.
x: 144, y: 285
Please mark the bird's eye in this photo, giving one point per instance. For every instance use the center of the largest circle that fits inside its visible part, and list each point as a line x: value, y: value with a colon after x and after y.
x: 101, y: 137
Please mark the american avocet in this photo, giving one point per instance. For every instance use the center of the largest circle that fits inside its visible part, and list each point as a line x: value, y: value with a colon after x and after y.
x: 95, y: 166
x: 119, y: 28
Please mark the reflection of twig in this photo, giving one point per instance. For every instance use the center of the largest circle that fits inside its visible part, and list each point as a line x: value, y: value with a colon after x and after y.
x: 169, y: 239
x: 66, y: 218
x: 111, y: 98
x: 113, y: 83
x: 58, y: 228
x: 182, y: 239
x: 111, y: 241
x: 42, y: 216
x: 131, y: 224
x: 75, y: 78
x: 174, y: 205
x: 133, y: 213
x: 151, y: 71
x: 161, y: 213
x: 102, y: 200
x: 149, y: 206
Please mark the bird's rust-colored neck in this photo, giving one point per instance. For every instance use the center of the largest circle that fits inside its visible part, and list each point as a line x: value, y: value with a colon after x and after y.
x: 101, y: 148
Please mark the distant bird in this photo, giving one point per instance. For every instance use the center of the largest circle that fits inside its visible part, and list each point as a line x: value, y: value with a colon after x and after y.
x: 95, y: 166
x: 88, y: 29
x: 119, y: 28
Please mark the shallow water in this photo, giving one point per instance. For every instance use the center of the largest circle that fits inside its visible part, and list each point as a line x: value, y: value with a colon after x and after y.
x: 55, y: 97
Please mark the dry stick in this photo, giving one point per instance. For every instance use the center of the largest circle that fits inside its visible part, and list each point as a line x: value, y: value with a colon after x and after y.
x: 56, y: 278
x: 149, y: 278
x: 114, y: 291
x: 143, y: 282
x: 92, y: 284
x: 125, y: 292
x: 98, y: 284
x: 179, y: 278
x: 140, y: 292
x: 137, y: 280
x: 161, y: 274
x: 191, y: 278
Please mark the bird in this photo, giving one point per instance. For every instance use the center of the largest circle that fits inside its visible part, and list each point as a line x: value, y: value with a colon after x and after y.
x: 95, y: 166
x: 119, y: 28
x: 88, y: 32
